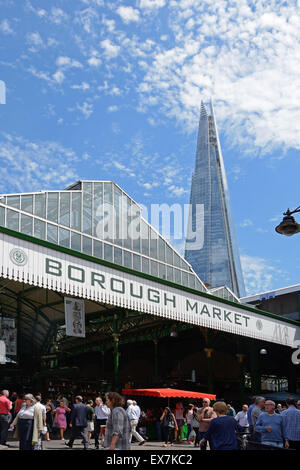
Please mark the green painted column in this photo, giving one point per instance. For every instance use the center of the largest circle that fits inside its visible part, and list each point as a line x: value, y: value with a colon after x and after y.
x: 116, y: 358
x: 209, y: 366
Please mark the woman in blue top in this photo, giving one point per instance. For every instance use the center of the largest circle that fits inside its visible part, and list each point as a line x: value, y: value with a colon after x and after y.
x: 222, y: 430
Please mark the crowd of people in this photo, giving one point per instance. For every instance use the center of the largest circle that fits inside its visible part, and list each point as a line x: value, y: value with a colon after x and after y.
x: 112, y: 424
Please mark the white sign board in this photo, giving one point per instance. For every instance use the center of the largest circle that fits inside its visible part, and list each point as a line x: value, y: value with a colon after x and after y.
x: 41, y: 266
x: 2, y: 352
x: 75, y: 317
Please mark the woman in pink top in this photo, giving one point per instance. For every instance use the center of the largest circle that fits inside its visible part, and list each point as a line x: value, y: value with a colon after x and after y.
x: 60, y: 418
x: 179, y: 418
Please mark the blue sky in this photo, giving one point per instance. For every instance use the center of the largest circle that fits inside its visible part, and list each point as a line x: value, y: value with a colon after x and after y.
x: 111, y: 90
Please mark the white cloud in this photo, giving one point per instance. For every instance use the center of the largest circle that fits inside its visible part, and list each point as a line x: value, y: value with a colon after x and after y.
x: 33, y: 165
x: 260, y: 275
x: 35, y: 39
x: 67, y: 62
x: 94, y: 61
x: 83, y: 86
x: 110, y: 50
x: 246, y: 223
x: 86, y: 109
x: 152, y: 4
x: 112, y: 109
x: 59, y: 76
x: 128, y: 14
x: 5, y: 27
x: 58, y: 15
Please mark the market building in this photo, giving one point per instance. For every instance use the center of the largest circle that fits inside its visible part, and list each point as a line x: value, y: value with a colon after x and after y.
x: 148, y: 320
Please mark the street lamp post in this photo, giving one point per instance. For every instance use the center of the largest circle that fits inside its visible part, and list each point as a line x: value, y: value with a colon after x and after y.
x: 288, y: 226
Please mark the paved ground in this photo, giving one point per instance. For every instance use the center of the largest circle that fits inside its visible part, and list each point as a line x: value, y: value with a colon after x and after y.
x: 60, y: 445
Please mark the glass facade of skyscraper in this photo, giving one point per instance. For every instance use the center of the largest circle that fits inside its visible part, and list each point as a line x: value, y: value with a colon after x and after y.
x: 211, y: 245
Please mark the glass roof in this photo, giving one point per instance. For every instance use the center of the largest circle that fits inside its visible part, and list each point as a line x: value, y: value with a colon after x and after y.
x: 99, y: 219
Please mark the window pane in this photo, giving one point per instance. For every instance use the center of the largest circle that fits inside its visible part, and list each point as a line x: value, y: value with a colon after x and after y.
x: 27, y: 203
x: 52, y: 233
x: 98, y: 249
x: 135, y: 233
x: 153, y: 244
x: 75, y: 241
x: 98, y: 210
x: 26, y: 224
x: 177, y: 276
x: 64, y: 237
x: 2, y: 215
x: 87, y: 187
x: 76, y: 211
x: 52, y: 210
x: 145, y: 238
x: 87, y: 213
x: 176, y: 260
x: 127, y: 259
x: 12, y: 220
x: 191, y: 281
x: 64, y: 209
x: 127, y: 242
x: 108, y: 192
x: 118, y: 216
x: 161, y: 250
x: 39, y: 229
x: 118, y: 256
x: 137, y: 262
x: 108, y: 253
x: 13, y: 201
x: 169, y: 253
x: 185, y: 278
x: 169, y: 273
x: 162, y: 271
x: 108, y: 212
x: 87, y: 245
x: 145, y: 265
x: 154, y: 268
x: 40, y: 205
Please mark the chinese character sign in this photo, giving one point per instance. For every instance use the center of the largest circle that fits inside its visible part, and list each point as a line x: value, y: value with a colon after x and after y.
x: 75, y: 317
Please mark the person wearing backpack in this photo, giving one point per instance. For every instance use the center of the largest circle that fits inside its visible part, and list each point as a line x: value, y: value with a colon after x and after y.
x: 169, y: 426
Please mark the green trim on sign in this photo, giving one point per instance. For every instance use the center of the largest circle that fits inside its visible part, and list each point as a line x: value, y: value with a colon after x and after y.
x: 78, y: 254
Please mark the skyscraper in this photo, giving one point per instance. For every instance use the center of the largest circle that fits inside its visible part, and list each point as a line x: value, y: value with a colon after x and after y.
x: 211, y: 246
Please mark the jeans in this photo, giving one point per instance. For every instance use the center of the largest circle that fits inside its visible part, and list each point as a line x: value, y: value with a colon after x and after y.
x: 189, y: 429
x: 197, y: 438
x: 168, y: 433
x: 4, y: 425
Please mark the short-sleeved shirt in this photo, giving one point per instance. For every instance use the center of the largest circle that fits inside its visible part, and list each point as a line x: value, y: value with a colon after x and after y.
x: 5, y: 405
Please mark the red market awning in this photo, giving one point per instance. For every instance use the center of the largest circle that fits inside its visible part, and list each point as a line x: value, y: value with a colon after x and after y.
x: 166, y: 393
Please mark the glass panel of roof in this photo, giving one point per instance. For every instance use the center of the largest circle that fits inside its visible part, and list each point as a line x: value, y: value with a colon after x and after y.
x: 76, y: 211
x: 118, y: 256
x: 169, y: 255
x: 192, y: 281
x: 136, y: 262
x: 108, y: 252
x: 98, y: 210
x: 12, y: 220
x: 127, y: 259
x: 154, y: 268
x: 40, y: 205
x: 52, y: 207
x: 87, y: 213
x: 87, y: 187
x: 64, y: 237
x: 177, y: 276
x: 39, y: 229
x: 75, y: 241
x: 162, y: 271
x: 108, y: 212
x: 169, y: 273
x: 13, y: 201
x: 26, y: 224
x: 176, y: 260
x: 98, y: 249
x: 145, y: 235
x: 153, y: 244
x: 126, y: 223
x: 161, y: 249
x: 117, y: 215
x: 27, y: 203
x: 65, y: 208
x: 52, y: 233
x: 87, y: 245
x: 2, y: 216
x: 185, y: 278
x: 145, y: 265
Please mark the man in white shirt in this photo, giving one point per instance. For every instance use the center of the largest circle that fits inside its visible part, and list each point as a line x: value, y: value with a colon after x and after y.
x: 102, y: 412
x: 242, y: 418
x: 133, y: 415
